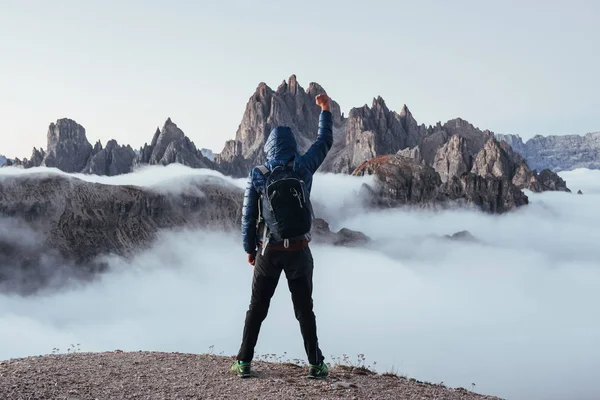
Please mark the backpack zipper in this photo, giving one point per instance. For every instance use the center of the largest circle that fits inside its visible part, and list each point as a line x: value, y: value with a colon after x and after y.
x: 297, y: 195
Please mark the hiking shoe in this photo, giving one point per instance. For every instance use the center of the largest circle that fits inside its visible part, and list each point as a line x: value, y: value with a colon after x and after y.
x: 317, y: 371
x: 241, y: 368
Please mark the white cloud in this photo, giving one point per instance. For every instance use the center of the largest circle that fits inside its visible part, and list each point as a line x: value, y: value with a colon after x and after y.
x: 513, y: 313
x: 588, y: 181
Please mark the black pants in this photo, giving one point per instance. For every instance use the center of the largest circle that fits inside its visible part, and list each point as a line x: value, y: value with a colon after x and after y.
x: 298, y: 267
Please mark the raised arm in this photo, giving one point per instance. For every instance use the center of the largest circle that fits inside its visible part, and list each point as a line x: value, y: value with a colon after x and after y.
x: 249, y: 216
x: 315, y: 155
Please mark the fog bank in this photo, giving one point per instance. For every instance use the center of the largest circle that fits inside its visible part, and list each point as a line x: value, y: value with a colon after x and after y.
x: 513, y: 312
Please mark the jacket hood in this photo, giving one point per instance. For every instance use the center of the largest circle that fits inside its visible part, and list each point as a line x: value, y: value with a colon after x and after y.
x: 281, y: 145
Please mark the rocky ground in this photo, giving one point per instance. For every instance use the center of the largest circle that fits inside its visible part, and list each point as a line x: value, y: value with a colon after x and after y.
x: 152, y: 375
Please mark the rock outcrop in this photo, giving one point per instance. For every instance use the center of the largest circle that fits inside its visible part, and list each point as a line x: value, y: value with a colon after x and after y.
x: 402, y: 181
x: 492, y: 160
x: 558, y: 153
x: 69, y: 151
x: 28, y: 263
x: 112, y: 160
x: 289, y: 105
x: 370, y: 132
x: 462, y: 236
x: 413, y: 153
x: 2, y: 160
x: 171, y: 145
x: 452, y: 149
x: 460, y: 151
x: 452, y: 159
x: 475, y: 138
x: 37, y: 157
x: 66, y: 223
x: 231, y: 161
x: 549, y: 180
x: 344, y: 237
x: 83, y: 219
x: 490, y: 194
x: 52, y: 225
x: 68, y: 148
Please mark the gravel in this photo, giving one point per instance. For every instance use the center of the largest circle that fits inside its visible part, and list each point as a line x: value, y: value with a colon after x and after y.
x: 154, y: 375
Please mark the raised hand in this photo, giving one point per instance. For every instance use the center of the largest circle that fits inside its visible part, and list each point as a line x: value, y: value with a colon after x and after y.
x: 323, y: 102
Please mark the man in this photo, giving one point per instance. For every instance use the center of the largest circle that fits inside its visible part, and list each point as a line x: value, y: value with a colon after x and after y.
x: 269, y: 250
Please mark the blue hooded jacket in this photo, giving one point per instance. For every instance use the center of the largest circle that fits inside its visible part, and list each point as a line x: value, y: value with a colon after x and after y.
x: 280, y: 149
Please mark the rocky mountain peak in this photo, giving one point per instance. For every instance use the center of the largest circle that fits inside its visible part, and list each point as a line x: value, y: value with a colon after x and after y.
x: 549, y: 180
x: 97, y: 147
x: 263, y: 91
x: 493, y: 160
x: 411, y: 127
x: 68, y: 147
x: 112, y: 144
x: 290, y: 105
x: 379, y: 103
x: 231, y: 160
x: 475, y: 138
x: 401, y: 181
x: 36, y: 159
x: 369, y: 132
x: 111, y: 160
x: 451, y: 149
x: 155, y: 137
x: 171, y: 145
x: 314, y: 89
x: 459, y: 123
x: 558, y: 152
x: 291, y: 86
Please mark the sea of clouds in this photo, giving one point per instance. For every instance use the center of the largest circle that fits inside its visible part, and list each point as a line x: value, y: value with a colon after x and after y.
x: 514, y: 312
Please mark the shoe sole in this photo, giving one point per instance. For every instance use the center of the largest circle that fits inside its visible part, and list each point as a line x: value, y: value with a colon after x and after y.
x: 241, y: 374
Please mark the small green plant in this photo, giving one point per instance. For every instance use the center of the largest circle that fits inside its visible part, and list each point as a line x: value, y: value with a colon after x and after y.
x: 73, y: 348
x: 393, y: 372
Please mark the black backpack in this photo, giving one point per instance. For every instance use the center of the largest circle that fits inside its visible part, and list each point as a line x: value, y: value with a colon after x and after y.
x: 284, y: 205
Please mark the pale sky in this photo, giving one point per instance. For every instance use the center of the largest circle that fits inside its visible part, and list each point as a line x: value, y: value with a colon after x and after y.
x: 120, y: 68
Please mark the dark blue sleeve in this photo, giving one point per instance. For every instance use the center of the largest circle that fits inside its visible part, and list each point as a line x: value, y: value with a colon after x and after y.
x: 315, y: 155
x: 249, y: 216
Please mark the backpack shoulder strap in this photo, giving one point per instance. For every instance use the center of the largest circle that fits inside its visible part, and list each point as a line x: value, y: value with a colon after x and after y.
x: 262, y: 169
x: 265, y: 237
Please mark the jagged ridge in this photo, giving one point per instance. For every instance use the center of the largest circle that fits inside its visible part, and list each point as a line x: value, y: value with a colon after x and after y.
x: 558, y: 153
x: 452, y: 149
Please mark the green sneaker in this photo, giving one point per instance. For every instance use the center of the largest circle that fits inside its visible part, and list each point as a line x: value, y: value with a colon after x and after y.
x: 317, y: 371
x: 241, y: 368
